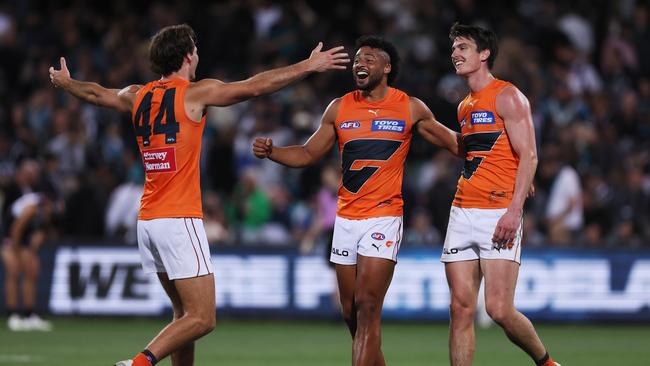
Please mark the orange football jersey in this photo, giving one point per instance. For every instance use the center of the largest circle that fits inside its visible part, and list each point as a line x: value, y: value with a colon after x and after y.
x: 374, y: 139
x: 488, y: 177
x: 170, y: 144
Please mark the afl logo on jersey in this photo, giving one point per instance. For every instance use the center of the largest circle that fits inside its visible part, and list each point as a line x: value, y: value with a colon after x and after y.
x: 378, y: 236
x: 482, y: 118
x: 388, y: 125
x: 350, y: 125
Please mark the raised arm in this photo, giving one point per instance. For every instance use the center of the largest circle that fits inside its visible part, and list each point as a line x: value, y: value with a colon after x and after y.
x: 512, y: 105
x: 432, y: 130
x: 119, y: 99
x: 299, y: 156
x: 212, y: 92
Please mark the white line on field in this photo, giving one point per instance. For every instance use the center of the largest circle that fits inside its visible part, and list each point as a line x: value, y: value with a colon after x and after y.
x: 13, y: 359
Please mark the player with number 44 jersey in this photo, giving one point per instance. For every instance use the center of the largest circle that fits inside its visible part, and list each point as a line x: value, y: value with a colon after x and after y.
x: 373, y: 125
x: 168, y: 118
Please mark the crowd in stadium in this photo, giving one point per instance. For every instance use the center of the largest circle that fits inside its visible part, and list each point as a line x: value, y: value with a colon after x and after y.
x: 585, y: 72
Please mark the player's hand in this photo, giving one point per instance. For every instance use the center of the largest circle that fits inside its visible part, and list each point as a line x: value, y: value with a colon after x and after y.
x: 262, y: 147
x: 332, y: 59
x: 58, y: 76
x: 506, y: 229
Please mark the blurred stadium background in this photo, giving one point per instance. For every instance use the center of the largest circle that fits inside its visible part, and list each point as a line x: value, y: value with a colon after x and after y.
x: 584, y: 65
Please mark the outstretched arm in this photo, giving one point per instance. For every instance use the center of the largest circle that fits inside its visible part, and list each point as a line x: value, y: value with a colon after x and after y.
x: 119, y: 99
x: 513, y: 106
x: 432, y: 130
x: 213, y: 92
x: 299, y: 156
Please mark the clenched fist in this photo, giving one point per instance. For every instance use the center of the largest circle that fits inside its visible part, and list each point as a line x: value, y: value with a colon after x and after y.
x: 262, y: 147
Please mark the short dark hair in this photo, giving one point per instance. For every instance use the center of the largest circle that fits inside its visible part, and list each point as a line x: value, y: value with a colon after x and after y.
x: 169, y: 46
x: 381, y: 44
x: 485, y: 39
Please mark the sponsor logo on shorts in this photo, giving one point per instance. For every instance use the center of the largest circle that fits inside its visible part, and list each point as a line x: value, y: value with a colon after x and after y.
x: 483, y: 118
x: 159, y: 160
x: 389, y: 244
x: 450, y: 251
x: 388, y: 125
x: 507, y: 245
x: 378, y: 236
x: 376, y: 246
x: 350, y: 125
x: 342, y: 253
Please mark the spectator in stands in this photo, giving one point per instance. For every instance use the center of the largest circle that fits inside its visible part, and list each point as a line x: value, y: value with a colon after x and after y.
x: 326, y: 200
x: 252, y: 207
x: 421, y: 232
x: 124, y: 202
x: 591, y: 92
x: 214, y: 219
x: 564, y: 208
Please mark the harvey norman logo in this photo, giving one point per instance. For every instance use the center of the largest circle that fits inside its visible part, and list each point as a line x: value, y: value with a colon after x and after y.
x: 482, y: 118
x: 159, y: 160
x: 388, y: 125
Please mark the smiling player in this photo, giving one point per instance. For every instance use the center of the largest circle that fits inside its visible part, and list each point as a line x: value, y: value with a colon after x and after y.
x: 374, y: 126
x: 485, y: 222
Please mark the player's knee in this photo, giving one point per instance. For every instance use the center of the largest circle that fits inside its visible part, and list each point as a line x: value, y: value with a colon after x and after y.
x: 11, y: 268
x: 204, y: 324
x: 30, y: 272
x: 12, y: 272
x: 367, y: 304
x: 11, y: 278
x: 30, y: 275
x: 178, y: 312
x: 499, y: 312
x: 462, y: 310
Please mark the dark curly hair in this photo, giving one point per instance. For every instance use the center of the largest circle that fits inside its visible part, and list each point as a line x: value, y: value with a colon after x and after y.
x: 169, y: 46
x: 379, y: 43
x: 485, y: 39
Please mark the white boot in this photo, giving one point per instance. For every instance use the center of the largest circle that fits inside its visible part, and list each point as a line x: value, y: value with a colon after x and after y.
x: 15, y: 323
x: 35, y: 322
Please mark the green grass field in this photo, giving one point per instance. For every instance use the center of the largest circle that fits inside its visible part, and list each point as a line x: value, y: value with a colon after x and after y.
x: 100, y: 342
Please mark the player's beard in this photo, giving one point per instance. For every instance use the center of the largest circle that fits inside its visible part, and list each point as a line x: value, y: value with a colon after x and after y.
x: 373, y: 81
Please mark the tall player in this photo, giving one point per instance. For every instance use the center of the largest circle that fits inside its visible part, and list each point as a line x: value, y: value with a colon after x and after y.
x: 484, y: 233
x: 168, y: 117
x: 374, y: 126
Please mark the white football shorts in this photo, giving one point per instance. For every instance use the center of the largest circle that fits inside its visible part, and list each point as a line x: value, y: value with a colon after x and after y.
x: 469, y: 236
x: 176, y: 246
x: 378, y: 237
